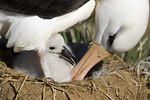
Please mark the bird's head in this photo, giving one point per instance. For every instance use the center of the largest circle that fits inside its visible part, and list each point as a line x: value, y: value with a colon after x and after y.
x: 56, y: 46
x: 57, y: 60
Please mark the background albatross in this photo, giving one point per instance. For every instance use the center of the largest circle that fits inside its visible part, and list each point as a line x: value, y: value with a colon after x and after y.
x: 120, y: 24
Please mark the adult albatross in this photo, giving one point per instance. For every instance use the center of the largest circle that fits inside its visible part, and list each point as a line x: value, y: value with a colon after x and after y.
x: 28, y: 24
x: 120, y: 24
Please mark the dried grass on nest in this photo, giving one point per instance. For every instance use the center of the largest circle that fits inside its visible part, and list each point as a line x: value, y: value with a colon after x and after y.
x: 123, y: 83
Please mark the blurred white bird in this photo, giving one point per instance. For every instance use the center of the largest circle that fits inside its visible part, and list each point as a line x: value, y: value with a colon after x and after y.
x: 120, y: 24
x: 56, y: 62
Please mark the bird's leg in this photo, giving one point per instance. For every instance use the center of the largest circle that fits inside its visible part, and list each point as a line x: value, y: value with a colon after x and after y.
x: 94, y: 55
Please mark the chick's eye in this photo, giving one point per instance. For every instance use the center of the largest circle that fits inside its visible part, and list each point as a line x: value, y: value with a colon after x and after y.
x: 51, y: 48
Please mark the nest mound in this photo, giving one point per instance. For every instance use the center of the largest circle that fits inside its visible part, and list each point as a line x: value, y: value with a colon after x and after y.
x: 124, y: 82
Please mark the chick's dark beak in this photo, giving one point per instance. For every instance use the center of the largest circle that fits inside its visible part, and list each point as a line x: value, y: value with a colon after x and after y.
x: 68, y: 56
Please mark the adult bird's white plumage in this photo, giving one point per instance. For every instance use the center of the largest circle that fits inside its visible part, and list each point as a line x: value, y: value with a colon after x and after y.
x: 120, y: 24
x: 56, y: 62
x: 29, y: 24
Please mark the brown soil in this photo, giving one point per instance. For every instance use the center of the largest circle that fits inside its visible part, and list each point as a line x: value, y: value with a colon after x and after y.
x: 124, y: 82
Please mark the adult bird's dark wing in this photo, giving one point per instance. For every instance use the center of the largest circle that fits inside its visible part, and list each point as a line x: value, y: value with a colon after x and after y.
x: 43, y: 8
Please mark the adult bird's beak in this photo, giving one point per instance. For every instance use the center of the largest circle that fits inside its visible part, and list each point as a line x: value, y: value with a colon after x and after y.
x: 94, y: 55
x: 68, y: 56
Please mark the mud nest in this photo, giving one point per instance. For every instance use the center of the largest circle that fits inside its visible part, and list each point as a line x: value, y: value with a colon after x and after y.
x: 124, y: 82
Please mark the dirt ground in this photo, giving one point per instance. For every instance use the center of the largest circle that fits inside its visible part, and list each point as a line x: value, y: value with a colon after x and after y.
x: 122, y: 82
